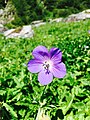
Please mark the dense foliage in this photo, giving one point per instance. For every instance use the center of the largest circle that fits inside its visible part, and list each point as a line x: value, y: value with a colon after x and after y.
x: 21, y: 95
x: 30, y: 10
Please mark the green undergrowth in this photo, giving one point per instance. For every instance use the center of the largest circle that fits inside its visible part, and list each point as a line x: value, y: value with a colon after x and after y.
x: 21, y: 95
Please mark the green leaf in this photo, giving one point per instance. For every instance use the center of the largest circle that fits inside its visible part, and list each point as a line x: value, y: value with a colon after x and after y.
x: 87, y: 118
x: 2, y: 92
x: 10, y: 109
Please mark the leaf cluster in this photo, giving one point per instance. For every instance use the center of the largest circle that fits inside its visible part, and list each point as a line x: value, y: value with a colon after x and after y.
x: 21, y: 95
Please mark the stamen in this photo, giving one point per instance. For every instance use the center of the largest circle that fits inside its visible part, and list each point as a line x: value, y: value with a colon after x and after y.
x: 47, y: 66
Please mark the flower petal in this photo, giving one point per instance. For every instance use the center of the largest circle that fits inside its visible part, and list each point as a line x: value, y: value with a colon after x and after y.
x: 59, y: 70
x: 35, y: 66
x: 40, y: 52
x: 45, y: 78
x: 55, y: 55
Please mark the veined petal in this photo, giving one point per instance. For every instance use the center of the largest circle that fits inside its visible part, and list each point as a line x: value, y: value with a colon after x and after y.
x: 55, y: 55
x: 59, y: 70
x: 35, y: 66
x: 45, y: 78
x: 40, y: 52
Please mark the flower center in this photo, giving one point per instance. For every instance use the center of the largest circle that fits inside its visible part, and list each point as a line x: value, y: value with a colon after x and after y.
x: 47, y: 65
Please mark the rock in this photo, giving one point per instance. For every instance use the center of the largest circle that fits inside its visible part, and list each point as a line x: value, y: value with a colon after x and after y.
x: 8, y: 32
x: 74, y: 17
x: 70, y: 18
x: 56, y: 20
x: 86, y: 11
x: 25, y: 32
x: 1, y: 12
x: 79, y: 16
x: 38, y: 23
x: 13, y: 35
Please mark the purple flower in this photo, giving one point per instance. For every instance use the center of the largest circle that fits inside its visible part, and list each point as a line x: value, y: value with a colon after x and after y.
x: 88, y: 31
x: 48, y: 64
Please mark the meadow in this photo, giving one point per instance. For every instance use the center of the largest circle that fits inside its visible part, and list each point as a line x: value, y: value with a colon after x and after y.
x: 21, y: 95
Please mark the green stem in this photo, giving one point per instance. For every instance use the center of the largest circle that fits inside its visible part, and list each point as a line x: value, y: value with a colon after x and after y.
x: 44, y: 90
x: 42, y: 94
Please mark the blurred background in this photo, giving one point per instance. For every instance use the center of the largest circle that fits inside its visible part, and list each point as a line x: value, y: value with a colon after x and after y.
x: 26, y: 11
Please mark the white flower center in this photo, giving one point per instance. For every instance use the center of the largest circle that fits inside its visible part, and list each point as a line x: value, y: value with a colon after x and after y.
x: 47, y: 65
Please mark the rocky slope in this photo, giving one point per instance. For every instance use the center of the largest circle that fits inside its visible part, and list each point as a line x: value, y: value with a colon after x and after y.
x: 7, y: 15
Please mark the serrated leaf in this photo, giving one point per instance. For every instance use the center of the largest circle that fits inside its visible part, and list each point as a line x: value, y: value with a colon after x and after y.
x: 27, y: 117
x: 10, y: 109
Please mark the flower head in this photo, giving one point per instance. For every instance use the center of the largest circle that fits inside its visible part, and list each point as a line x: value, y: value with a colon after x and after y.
x: 48, y: 64
x: 88, y: 31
